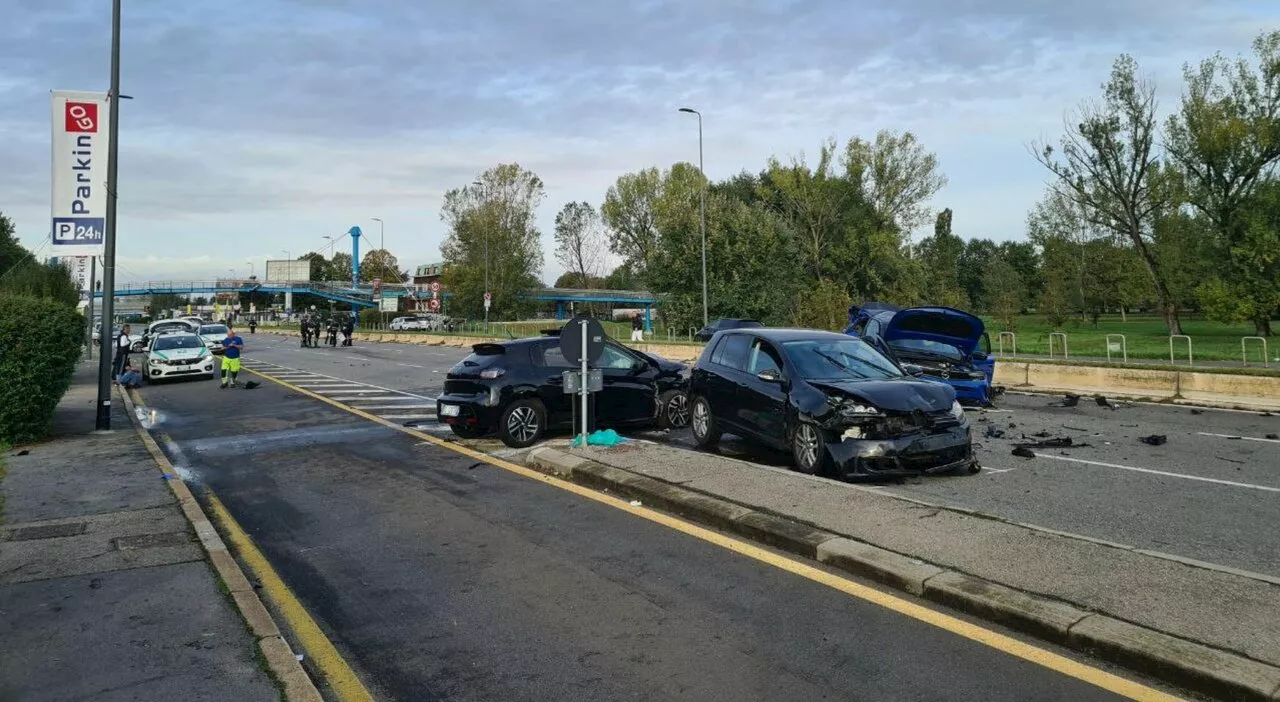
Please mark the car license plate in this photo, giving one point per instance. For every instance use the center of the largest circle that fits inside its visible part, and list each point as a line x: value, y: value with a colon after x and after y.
x: 449, y: 410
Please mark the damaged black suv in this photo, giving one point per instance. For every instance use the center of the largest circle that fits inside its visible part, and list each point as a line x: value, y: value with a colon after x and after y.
x: 838, y: 404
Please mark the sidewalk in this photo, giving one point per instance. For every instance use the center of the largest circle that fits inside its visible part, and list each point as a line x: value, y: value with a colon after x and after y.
x: 1213, y: 631
x: 105, y: 592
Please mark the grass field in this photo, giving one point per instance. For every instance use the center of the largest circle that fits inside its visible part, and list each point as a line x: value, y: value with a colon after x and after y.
x: 1145, y: 337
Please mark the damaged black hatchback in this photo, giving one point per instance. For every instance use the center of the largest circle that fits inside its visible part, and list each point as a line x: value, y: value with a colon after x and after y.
x: 835, y: 402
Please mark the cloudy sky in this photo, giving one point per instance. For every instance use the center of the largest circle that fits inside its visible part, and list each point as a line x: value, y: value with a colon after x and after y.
x: 259, y: 127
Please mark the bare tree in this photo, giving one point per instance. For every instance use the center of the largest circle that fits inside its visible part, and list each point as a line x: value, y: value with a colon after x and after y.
x: 1105, y: 162
x: 896, y: 175
x: 580, y: 245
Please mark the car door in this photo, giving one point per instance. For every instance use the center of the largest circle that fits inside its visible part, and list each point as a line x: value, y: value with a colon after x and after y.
x: 761, y: 403
x: 725, y: 378
x: 549, y: 366
x: 628, y: 396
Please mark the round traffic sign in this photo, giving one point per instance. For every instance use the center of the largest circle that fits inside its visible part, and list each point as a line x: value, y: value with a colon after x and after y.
x: 434, y: 304
x: 571, y: 340
x: 435, y: 286
x: 487, y: 297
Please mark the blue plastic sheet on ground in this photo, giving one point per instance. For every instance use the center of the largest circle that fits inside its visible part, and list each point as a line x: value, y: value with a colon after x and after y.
x: 603, y: 437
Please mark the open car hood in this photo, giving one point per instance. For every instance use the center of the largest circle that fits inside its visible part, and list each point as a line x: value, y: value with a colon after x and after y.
x: 942, y: 324
x: 901, y: 395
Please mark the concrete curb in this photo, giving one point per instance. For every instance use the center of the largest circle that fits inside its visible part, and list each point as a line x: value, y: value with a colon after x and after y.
x: 1185, y: 663
x: 280, y: 658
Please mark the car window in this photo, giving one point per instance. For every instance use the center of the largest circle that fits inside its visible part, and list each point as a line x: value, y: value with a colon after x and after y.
x: 177, y: 341
x: 872, y: 328
x: 615, y: 358
x: 213, y: 329
x: 838, y: 359
x: 733, y: 351
x: 763, y: 358
x: 927, y: 346
x: 551, y: 357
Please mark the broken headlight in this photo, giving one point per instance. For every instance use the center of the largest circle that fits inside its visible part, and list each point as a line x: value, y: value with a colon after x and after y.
x: 957, y: 410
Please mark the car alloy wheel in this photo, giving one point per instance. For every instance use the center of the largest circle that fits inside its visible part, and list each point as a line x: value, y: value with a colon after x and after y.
x: 701, y: 419
x: 678, y: 410
x: 806, y: 446
x: 522, y: 424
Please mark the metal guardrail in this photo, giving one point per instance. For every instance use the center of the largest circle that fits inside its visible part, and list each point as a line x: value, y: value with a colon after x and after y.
x: 1244, y: 355
x: 1124, y: 347
x: 1063, y: 335
x: 1190, y: 359
x: 1013, y: 341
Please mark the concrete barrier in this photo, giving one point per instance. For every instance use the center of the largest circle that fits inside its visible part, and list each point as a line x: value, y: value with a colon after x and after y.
x: 1221, y: 389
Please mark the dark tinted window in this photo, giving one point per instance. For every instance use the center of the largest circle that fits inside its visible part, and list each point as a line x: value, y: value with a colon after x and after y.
x: 936, y: 324
x: 872, y: 329
x: 549, y: 355
x: 615, y: 358
x: 733, y: 351
x: 763, y: 358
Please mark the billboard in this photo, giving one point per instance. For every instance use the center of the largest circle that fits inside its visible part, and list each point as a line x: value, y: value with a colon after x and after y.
x: 389, y: 304
x: 288, y: 270
x: 79, y: 176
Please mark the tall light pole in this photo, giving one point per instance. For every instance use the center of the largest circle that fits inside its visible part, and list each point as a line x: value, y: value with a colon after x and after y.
x: 286, y: 254
x: 382, y: 244
x: 252, y: 274
x: 703, y: 208
x: 103, y: 418
x: 478, y: 184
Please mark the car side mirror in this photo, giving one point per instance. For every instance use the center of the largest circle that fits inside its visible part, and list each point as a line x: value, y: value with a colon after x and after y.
x: 769, y: 375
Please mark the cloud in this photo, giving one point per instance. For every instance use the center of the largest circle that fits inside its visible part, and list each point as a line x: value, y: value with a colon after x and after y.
x: 263, y: 126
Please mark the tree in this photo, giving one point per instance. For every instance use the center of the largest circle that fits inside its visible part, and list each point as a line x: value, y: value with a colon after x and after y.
x: 1004, y: 291
x: 1226, y: 138
x: 319, y: 266
x: 628, y: 211
x: 380, y: 264
x: 339, y: 268
x: 812, y: 201
x: 493, y: 237
x: 939, y: 257
x: 621, y: 278
x: 575, y: 281
x: 580, y: 246
x: 1104, y: 164
x: 163, y: 302
x: 896, y: 175
x: 973, y: 260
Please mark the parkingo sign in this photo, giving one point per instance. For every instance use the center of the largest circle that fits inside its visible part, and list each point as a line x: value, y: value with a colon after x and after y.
x: 79, y: 173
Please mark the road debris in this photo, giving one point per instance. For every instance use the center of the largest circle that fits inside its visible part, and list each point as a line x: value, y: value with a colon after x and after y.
x: 1273, y: 437
x: 1154, y: 439
x: 1067, y: 401
x: 1197, y: 411
x: 1104, y: 402
x: 1075, y: 428
x: 1023, y: 452
x: 1058, y: 442
x: 994, y: 433
x: 635, y: 503
x: 1228, y: 460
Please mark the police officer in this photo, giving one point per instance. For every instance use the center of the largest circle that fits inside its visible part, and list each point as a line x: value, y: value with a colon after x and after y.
x: 305, y: 327
x: 333, y: 331
x: 348, y: 329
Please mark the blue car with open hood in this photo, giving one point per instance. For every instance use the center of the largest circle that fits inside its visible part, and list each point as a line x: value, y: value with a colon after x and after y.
x: 937, y: 343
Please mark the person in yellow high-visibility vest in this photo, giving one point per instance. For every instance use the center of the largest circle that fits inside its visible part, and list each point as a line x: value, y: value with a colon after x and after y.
x: 231, y: 348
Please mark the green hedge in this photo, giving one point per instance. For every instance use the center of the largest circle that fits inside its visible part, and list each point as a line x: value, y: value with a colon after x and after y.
x: 40, y: 343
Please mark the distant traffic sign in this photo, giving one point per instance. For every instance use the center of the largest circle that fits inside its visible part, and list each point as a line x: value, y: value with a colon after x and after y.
x: 435, y: 286
x: 571, y: 340
x: 434, y: 304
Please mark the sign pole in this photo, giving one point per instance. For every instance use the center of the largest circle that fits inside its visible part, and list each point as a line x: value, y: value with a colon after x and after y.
x: 585, y: 333
x: 88, y: 311
x: 109, y: 240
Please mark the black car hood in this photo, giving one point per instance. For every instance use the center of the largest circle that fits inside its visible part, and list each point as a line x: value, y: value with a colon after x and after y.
x: 904, y: 395
x: 663, y: 364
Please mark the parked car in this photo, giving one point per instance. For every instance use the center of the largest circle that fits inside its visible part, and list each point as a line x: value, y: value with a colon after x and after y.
x: 407, y: 324
x: 212, y: 336
x: 515, y: 388
x: 835, y: 402
x: 97, y: 331
x: 705, y: 333
x: 940, y: 343
x: 163, y: 326
x: 175, y: 354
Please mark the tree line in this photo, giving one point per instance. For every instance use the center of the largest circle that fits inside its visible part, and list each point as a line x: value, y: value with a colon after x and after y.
x: 1137, y: 214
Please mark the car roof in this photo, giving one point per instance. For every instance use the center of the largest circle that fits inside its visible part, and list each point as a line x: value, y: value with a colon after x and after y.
x: 784, y: 335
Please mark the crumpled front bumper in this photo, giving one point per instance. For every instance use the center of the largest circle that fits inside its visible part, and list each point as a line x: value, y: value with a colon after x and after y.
x: 914, y: 454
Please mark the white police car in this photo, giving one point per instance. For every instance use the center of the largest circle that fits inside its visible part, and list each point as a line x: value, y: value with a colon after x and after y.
x: 212, y: 335
x: 177, y: 354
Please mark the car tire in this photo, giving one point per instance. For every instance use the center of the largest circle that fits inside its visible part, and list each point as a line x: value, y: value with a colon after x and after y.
x: 673, y: 409
x: 522, y: 423
x: 466, y: 431
x: 706, y: 434
x: 808, y: 449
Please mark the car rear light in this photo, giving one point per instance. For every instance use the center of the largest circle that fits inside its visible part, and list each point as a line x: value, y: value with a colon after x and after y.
x: 491, y: 373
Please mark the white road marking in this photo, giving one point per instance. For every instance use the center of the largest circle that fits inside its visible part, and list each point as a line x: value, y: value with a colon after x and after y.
x: 1230, y: 483
x: 1237, y: 436
x: 407, y: 416
x: 387, y: 407
x: 996, y: 470
x: 411, y: 365
x: 370, y: 397
x: 367, y: 385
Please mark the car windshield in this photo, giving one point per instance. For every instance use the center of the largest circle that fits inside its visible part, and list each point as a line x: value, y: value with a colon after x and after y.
x: 838, y: 359
x: 177, y: 341
x: 927, y: 346
x: 171, y: 327
x: 213, y: 329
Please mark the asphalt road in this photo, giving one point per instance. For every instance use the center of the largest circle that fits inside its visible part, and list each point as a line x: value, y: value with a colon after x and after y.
x: 440, y: 577
x: 1201, y: 495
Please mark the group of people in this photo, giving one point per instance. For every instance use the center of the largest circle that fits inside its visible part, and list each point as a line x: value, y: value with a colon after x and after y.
x: 310, y: 327
x: 129, y: 377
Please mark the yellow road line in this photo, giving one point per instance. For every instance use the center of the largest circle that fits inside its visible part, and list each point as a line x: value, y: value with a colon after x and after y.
x: 1001, y: 642
x: 342, y: 680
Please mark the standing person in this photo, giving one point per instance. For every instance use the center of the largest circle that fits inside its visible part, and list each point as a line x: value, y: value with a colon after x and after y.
x: 637, y: 327
x: 231, y: 348
x: 315, y: 332
x: 348, y: 330
x: 253, y: 325
x: 304, y: 326
x: 333, y: 331
x: 123, y: 342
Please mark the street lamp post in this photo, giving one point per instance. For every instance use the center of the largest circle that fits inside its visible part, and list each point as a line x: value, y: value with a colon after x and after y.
x: 382, y: 244
x: 102, y: 420
x: 286, y: 254
x: 252, y: 273
x: 486, y: 260
x: 703, y: 209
